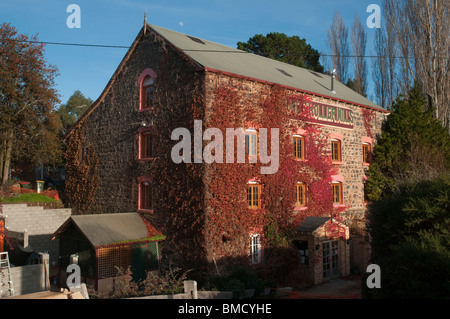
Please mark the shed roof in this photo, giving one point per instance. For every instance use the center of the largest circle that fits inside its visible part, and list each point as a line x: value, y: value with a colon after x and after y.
x: 310, y: 224
x: 105, y: 229
x: 217, y: 57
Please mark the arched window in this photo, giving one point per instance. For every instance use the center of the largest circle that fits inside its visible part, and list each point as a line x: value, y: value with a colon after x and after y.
x: 145, y: 199
x: 147, y: 92
x: 146, y: 85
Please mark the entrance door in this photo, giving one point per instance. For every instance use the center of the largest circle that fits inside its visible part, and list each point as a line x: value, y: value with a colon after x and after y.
x: 330, y: 259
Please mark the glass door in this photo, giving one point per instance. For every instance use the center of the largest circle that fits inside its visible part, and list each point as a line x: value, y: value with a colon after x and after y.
x: 330, y: 259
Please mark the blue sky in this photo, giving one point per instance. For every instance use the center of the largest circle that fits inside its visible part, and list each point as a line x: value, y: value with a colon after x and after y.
x: 117, y: 22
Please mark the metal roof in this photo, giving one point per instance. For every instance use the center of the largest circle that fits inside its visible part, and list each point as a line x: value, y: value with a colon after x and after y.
x: 310, y: 224
x: 105, y: 229
x: 218, y: 57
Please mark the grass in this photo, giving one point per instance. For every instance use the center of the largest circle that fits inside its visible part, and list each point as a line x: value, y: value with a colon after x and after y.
x: 28, y: 198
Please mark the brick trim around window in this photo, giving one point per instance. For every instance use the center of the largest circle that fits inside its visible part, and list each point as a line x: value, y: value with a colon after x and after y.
x: 145, y: 90
x: 145, y: 194
x: 146, y: 148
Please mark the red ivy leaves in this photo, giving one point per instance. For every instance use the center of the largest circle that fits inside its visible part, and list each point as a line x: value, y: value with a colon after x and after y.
x: 368, y: 116
x: 229, y: 214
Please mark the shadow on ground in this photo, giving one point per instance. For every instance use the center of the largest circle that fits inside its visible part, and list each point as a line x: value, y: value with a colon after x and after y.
x: 342, y: 288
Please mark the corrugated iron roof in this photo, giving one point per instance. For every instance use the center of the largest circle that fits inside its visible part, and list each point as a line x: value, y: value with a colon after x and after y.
x: 218, y: 57
x: 105, y: 229
x: 310, y: 224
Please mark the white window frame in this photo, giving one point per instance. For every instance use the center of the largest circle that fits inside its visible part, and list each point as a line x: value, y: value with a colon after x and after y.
x: 255, y: 248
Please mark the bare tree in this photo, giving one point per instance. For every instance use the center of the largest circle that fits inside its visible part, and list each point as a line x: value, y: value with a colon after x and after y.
x: 380, y: 70
x: 339, y: 48
x: 417, y: 44
x: 430, y: 33
x: 359, y: 42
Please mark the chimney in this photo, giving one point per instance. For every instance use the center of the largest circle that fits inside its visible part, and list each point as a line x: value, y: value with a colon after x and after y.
x: 332, y: 81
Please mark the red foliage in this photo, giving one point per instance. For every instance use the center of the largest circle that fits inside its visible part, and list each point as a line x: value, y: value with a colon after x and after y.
x: 230, y: 216
x: 3, y: 231
x: 202, y: 208
x: 368, y: 117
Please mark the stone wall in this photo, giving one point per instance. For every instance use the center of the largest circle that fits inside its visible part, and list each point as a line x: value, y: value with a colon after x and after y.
x: 111, y: 129
x: 351, y: 168
x: 38, y: 223
x: 27, y: 279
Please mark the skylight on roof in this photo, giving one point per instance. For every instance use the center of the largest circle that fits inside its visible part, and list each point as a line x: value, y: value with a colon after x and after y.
x: 195, y: 39
x: 284, y: 72
x: 316, y: 74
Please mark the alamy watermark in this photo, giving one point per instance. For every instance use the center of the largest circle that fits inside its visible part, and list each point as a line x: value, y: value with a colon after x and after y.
x: 74, y: 279
x: 374, y: 20
x: 374, y: 279
x: 213, y: 151
x: 74, y: 19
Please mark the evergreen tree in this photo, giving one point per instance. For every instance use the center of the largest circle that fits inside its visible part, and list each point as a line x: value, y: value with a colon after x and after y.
x: 70, y: 112
x: 410, y: 232
x: 413, y: 146
x: 279, y: 46
x: 409, y: 218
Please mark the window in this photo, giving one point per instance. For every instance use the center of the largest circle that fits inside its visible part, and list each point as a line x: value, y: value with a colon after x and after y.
x: 302, y: 247
x: 367, y: 155
x: 147, y: 93
x: 300, y: 194
x: 336, y: 155
x: 85, y: 152
x: 146, y: 146
x: 146, y: 86
x: 251, y: 142
x: 255, y: 248
x: 145, y: 195
x: 254, y: 195
x: 299, y: 147
x: 330, y: 264
x: 337, y: 192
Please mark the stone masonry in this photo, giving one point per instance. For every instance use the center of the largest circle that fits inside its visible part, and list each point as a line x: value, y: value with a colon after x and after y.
x: 39, y: 223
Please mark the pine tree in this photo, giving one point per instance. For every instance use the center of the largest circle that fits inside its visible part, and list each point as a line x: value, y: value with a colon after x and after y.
x: 413, y: 146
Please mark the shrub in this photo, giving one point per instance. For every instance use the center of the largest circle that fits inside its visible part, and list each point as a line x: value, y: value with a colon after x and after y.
x: 172, y: 282
x: 239, y: 280
x: 411, y: 240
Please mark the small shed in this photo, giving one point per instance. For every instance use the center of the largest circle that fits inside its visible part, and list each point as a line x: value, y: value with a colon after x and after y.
x: 99, y: 243
x: 324, y: 248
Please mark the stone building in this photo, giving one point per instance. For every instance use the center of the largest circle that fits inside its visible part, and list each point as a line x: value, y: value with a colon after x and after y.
x: 144, y: 145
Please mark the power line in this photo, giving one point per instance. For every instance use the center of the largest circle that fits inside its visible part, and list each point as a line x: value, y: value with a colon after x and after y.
x: 75, y: 44
x: 221, y: 51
